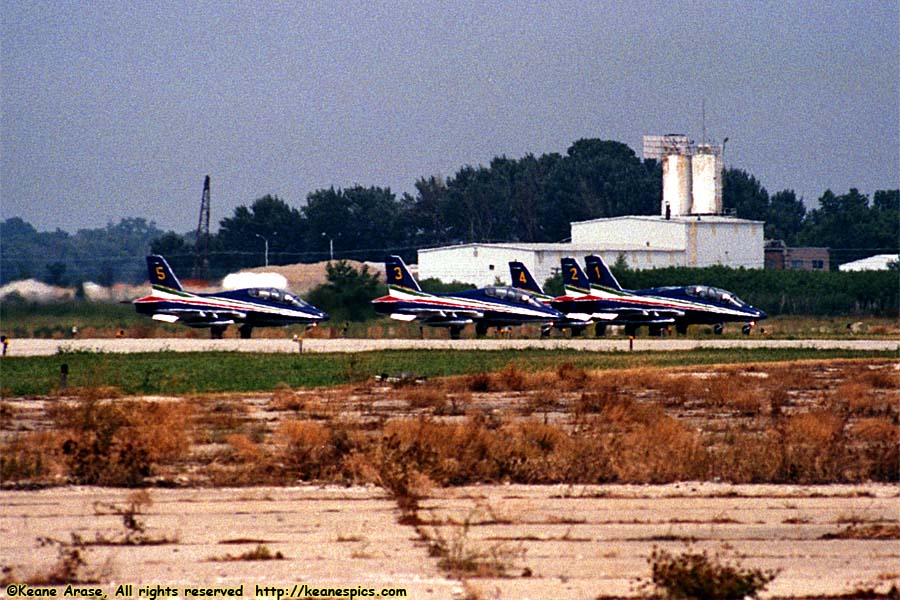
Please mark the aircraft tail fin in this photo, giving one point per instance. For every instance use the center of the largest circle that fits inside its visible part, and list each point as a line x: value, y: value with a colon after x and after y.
x: 397, y: 274
x: 599, y: 273
x: 573, y: 276
x: 522, y: 278
x: 161, y: 273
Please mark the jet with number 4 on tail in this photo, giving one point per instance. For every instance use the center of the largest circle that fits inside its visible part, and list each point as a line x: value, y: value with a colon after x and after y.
x: 575, y: 319
x: 495, y: 306
x: 657, y: 307
x: 247, y: 307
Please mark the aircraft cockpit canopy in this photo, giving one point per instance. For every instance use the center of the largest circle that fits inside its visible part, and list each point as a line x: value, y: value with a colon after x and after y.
x: 279, y: 296
x: 511, y: 294
x: 705, y: 292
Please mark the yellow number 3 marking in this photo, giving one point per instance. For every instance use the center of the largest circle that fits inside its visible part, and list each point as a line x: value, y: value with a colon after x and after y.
x: 398, y: 274
x: 160, y: 273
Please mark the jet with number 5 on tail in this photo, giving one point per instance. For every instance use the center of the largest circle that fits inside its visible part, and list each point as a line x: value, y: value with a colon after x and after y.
x: 247, y: 307
x: 495, y: 306
x: 655, y: 307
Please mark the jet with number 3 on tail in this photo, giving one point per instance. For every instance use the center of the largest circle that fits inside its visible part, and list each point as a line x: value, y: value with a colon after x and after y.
x: 495, y: 306
x: 247, y: 307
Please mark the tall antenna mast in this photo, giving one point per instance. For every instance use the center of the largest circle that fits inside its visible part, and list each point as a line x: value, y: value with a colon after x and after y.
x: 201, y: 247
x: 703, y: 113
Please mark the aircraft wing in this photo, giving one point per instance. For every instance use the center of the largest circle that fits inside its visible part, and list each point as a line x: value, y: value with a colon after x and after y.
x: 640, y: 315
x: 199, y: 318
x: 435, y: 314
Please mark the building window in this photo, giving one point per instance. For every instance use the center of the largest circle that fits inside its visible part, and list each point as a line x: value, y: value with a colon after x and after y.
x: 490, y: 267
x: 796, y: 264
x: 818, y: 264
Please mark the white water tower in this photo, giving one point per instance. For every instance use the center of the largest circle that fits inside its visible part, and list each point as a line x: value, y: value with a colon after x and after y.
x: 706, y: 180
x: 692, y: 174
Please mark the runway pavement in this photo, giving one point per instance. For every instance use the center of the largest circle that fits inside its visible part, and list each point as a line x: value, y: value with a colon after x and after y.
x: 47, y: 347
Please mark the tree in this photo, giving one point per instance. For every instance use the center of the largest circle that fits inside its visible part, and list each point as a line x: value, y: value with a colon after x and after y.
x: 360, y: 222
x: 784, y: 217
x: 179, y: 253
x: 348, y: 294
x: 742, y: 193
x: 243, y: 237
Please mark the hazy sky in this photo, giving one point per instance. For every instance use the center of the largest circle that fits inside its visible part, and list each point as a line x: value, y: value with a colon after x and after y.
x: 119, y: 109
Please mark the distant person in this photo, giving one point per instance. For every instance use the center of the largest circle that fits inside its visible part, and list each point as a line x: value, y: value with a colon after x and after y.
x: 5, y: 341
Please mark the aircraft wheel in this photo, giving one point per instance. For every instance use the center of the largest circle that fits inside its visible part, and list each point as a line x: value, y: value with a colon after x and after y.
x: 747, y: 328
x: 599, y: 330
x: 631, y: 330
x: 215, y: 333
x: 481, y: 330
x: 718, y: 328
x: 681, y: 328
x: 656, y: 331
x: 245, y: 331
x: 454, y: 332
x: 577, y: 331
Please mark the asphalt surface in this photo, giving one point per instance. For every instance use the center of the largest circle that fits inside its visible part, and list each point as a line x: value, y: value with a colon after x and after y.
x: 48, y: 347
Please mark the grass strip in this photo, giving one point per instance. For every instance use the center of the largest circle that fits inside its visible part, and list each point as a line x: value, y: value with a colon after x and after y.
x: 174, y: 373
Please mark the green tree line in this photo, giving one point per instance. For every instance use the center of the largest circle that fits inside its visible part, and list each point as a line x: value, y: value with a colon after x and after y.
x: 530, y: 199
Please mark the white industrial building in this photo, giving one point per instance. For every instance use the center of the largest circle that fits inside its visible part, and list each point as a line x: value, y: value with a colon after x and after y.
x: 879, y: 262
x: 689, y: 232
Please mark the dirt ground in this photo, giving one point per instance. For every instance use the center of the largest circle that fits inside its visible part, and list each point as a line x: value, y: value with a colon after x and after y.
x: 507, y: 541
x: 553, y: 541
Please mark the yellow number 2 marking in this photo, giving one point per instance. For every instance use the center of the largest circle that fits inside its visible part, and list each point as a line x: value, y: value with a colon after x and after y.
x: 160, y: 273
x: 573, y: 273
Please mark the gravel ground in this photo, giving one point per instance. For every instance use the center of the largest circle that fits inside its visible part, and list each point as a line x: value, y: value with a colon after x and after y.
x: 47, y: 347
x: 554, y: 541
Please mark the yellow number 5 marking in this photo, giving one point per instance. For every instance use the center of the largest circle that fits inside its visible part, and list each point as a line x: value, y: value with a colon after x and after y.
x: 160, y: 273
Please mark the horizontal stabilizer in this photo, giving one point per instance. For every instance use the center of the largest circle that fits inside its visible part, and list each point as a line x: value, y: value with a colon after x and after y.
x: 606, y: 316
x: 579, y: 316
x: 403, y: 317
x: 166, y: 318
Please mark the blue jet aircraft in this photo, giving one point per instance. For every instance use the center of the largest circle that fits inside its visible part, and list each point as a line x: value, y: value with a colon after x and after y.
x: 523, y: 279
x: 655, y: 307
x: 495, y: 306
x: 249, y: 307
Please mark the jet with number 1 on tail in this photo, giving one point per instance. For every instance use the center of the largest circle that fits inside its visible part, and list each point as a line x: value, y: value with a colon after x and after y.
x: 247, y: 307
x: 681, y: 305
x: 494, y: 306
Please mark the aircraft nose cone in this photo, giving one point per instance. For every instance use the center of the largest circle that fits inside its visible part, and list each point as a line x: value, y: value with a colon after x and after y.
x: 761, y: 315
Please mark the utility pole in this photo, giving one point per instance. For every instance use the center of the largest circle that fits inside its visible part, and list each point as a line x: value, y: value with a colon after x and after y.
x: 201, y: 247
x: 266, y: 240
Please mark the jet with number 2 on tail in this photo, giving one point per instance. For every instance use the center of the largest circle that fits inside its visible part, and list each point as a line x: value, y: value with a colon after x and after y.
x: 655, y: 307
x: 247, y: 307
x: 495, y: 306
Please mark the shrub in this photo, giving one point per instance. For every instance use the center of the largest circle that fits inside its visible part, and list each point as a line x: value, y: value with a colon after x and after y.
x: 696, y: 575
x: 110, y: 443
